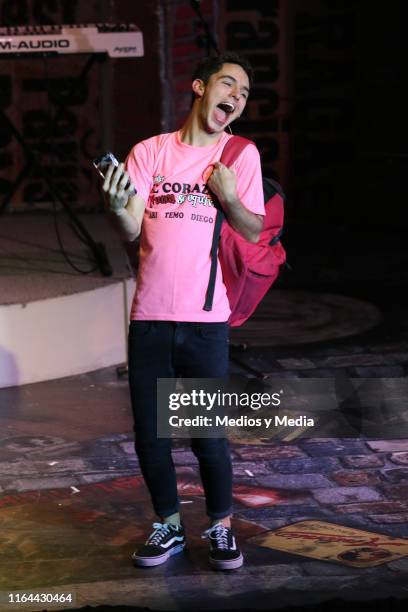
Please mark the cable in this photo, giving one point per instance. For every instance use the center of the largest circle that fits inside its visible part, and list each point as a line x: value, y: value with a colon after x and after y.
x: 52, y: 147
x: 208, y: 37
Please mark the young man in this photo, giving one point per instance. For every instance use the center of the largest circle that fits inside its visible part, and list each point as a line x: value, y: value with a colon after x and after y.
x: 177, y: 176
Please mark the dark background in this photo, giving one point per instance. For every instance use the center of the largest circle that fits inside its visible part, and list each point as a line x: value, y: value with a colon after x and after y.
x: 327, y: 112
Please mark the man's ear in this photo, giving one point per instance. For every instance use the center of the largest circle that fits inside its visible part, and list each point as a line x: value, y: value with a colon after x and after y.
x: 198, y: 87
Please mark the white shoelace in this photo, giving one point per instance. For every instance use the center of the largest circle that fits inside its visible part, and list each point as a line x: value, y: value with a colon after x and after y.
x: 161, y: 530
x: 220, y: 533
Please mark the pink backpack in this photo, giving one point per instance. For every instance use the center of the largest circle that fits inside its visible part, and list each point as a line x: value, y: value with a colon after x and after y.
x: 248, y: 269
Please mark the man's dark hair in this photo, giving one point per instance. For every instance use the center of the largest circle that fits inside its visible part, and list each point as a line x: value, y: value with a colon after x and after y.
x: 213, y: 64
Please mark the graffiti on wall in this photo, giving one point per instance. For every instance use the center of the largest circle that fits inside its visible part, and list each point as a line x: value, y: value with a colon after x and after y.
x: 258, y: 30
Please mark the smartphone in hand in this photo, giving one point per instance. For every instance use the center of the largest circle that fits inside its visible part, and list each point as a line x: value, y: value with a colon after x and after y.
x: 102, y: 164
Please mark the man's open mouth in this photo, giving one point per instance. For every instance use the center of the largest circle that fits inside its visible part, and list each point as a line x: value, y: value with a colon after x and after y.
x: 223, y: 110
x: 227, y: 107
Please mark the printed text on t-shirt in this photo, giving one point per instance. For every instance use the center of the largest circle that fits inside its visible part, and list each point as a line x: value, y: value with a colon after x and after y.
x: 195, y: 195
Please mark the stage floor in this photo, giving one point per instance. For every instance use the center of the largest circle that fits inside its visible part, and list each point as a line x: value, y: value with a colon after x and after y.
x: 73, y: 505
x: 33, y: 266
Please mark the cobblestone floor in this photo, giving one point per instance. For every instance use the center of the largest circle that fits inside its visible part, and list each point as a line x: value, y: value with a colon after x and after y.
x: 73, y: 504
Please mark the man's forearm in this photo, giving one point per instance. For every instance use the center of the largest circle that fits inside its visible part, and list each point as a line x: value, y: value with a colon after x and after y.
x: 125, y: 206
x: 126, y: 224
x: 245, y: 222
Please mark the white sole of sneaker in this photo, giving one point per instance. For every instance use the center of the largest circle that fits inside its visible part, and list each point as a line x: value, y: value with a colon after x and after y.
x: 152, y: 561
x: 227, y: 565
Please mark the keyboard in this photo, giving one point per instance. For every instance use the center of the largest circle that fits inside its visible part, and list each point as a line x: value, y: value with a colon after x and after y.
x: 115, y: 40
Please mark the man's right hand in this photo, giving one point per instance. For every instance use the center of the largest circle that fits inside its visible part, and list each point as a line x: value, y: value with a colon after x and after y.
x: 118, y: 187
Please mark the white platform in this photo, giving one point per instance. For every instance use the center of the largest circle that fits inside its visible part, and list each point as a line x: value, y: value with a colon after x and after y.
x: 55, y: 322
x: 62, y: 336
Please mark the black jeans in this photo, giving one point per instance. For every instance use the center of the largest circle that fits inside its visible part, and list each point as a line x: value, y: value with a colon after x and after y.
x: 166, y: 349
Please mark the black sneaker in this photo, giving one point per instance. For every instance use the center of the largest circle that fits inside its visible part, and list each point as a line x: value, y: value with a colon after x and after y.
x: 224, y: 552
x: 166, y: 540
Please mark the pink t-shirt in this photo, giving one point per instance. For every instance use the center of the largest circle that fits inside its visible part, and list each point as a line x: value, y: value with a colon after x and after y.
x: 178, y: 224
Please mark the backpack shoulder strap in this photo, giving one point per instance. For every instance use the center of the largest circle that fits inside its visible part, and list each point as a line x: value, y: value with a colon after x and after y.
x: 209, y: 296
x: 231, y: 151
